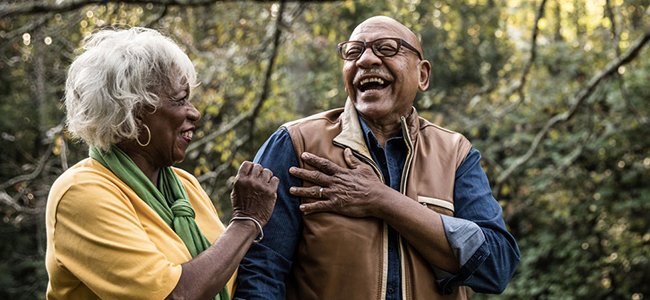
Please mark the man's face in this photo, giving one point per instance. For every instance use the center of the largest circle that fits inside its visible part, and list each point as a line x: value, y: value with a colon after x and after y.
x: 383, y: 88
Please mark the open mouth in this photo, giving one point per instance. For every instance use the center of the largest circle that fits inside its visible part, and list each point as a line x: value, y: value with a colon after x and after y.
x: 372, y: 83
x: 187, y: 135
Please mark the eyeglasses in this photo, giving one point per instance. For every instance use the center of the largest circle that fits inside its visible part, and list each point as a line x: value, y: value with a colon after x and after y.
x: 384, y: 47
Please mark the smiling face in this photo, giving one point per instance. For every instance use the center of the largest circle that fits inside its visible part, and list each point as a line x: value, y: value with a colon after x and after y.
x: 171, y: 125
x: 383, y: 88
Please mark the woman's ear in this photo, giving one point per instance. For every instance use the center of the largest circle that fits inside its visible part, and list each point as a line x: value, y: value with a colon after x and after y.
x: 138, y: 119
x: 424, y: 67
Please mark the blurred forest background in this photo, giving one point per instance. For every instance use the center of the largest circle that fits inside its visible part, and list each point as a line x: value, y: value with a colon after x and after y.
x: 554, y: 93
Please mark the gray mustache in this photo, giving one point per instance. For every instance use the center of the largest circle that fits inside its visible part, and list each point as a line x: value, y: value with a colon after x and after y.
x: 374, y: 71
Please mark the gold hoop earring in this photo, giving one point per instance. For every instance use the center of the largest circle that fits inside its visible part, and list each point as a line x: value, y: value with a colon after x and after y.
x: 149, y: 140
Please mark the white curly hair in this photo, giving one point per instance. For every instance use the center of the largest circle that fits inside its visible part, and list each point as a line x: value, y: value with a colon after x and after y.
x: 116, y: 78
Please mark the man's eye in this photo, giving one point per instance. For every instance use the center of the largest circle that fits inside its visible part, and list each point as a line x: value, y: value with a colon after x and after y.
x: 353, y: 51
x: 386, y: 49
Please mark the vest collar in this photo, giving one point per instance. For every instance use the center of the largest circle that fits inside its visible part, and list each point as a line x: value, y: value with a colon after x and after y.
x: 351, y: 135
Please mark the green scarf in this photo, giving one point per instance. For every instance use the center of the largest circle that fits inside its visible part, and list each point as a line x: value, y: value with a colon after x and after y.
x: 170, y: 202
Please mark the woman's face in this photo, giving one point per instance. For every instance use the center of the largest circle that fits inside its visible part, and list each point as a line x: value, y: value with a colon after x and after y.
x: 171, y: 125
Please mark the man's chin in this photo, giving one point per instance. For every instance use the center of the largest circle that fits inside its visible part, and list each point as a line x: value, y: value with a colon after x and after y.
x: 372, y: 112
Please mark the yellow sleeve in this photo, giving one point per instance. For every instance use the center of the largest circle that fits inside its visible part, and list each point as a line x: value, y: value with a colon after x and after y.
x: 99, y: 239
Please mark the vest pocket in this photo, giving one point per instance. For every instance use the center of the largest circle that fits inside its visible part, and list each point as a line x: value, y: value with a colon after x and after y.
x: 440, y: 206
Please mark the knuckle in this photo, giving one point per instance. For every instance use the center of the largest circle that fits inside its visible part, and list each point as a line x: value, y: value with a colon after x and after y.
x: 318, y: 176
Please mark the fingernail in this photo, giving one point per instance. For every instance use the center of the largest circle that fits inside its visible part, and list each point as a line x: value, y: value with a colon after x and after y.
x: 302, y: 207
x: 293, y: 190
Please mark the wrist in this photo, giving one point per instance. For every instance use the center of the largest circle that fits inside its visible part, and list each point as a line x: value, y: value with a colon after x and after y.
x: 385, y: 203
x: 256, y: 224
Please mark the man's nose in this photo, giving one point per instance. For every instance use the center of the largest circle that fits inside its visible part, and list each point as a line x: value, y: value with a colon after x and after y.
x: 368, y: 59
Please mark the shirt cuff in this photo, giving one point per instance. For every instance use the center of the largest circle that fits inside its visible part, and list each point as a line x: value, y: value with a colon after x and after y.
x: 467, y: 242
x: 465, y: 237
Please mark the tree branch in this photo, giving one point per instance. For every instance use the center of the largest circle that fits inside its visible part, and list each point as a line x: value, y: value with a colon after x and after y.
x: 615, y: 32
x: 222, y: 129
x: 222, y: 167
x: 253, y: 111
x: 519, y: 85
x: 33, y: 174
x: 579, y: 99
x: 157, y: 18
x: 269, y: 70
x: 6, y: 199
x: 7, y: 10
x: 29, y: 27
x: 209, y: 180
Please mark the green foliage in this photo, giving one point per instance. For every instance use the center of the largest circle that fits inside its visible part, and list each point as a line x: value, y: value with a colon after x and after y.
x: 22, y: 272
x: 577, y: 206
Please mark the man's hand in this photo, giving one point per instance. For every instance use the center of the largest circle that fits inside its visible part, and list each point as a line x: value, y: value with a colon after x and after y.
x: 254, y: 192
x: 352, y: 192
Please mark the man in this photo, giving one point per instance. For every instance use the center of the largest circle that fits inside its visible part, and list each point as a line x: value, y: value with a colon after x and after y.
x: 379, y: 203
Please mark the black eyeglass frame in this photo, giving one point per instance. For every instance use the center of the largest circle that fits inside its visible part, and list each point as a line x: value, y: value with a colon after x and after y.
x: 400, y: 43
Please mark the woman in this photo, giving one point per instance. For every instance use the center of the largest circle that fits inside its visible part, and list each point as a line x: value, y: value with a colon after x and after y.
x: 124, y: 224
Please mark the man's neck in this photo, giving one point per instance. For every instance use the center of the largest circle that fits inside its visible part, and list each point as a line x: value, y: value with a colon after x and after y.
x: 383, y: 131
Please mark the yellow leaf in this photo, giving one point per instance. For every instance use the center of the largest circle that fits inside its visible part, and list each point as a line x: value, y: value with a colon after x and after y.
x: 474, y: 131
x: 350, y: 5
x: 332, y: 36
x: 505, y: 189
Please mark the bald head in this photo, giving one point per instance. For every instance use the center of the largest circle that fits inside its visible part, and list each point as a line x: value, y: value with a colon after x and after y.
x: 383, y: 75
x: 387, y: 27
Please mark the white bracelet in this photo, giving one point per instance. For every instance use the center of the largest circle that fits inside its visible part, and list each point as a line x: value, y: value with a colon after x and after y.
x: 259, y: 239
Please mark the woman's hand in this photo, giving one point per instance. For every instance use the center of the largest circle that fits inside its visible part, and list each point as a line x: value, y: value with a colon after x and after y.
x: 254, y: 192
x: 253, y: 195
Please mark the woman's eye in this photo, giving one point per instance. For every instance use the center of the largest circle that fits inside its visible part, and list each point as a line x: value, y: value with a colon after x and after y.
x: 182, y: 100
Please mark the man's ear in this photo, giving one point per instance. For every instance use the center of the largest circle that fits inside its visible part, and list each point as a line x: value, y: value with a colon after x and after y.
x: 424, y: 67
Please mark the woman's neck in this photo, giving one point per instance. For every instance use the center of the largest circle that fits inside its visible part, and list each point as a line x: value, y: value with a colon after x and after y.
x: 143, y: 161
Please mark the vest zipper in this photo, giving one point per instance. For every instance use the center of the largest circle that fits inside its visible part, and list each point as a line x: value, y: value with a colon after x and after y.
x: 404, y: 181
x: 367, y: 160
x: 409, y: 157
x: 384, y: 270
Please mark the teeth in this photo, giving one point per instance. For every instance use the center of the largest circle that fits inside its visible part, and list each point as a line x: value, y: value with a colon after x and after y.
x: 372, y: 79
x: 187, y: 134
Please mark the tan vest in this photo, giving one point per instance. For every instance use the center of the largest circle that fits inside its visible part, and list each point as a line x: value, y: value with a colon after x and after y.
x: 346, y: 258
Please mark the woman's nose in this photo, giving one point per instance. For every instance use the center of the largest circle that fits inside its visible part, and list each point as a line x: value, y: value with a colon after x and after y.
x: 193, y: 113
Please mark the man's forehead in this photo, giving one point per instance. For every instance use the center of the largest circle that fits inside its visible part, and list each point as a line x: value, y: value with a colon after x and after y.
x: 378, y: 27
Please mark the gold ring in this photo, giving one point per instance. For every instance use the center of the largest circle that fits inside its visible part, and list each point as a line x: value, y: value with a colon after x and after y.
x: 320, y: 193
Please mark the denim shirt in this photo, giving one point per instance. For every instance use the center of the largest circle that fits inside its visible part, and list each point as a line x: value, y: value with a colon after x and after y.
x: 477, y: 234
